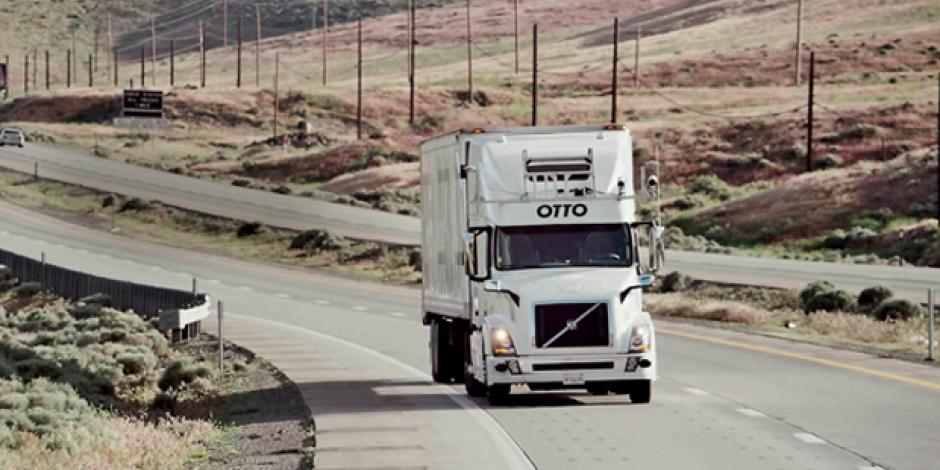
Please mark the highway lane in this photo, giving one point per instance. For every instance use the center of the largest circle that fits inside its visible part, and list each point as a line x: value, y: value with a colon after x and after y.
x: 716, y: 405
x: 303, y: 213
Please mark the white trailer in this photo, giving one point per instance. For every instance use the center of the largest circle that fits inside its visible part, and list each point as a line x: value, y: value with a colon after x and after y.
x: 531, y: 266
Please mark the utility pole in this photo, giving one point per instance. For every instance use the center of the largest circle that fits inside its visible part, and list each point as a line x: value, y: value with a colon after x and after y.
x: 202, y: 55
x: 257, y: 46
x: 412, y: 45
x: 616, y: 60
x: 26, y: 76
x: 535, y: 74
x: 97, y: 33
x: 408, y: 29
x: 636, y: 59
x: 35, y: 68
x: 91, y: 75
x: 75, y: 58
x: 47, y: 68
x: 799, y: 43
x: 325, y: 27
x: 238, y: 54
x: 153, y: 51
x: 68, y: 68
x: 115, y: 63
x: 809, y: 111
x: 277, y: 65
x: 515, y: 21
x: 172, y: 62
x: 224, y: 23
x: 469, y: 57
x: 359, y: 83
x: 143, y: 72
x: 112, y: 60
x: 938, y: 150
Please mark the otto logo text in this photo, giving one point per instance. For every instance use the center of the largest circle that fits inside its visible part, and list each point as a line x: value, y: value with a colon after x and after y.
x: 562, y: 210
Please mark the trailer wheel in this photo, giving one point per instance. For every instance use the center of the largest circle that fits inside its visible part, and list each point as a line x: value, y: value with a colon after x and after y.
x: 641, y: 392
x: 497, y: 394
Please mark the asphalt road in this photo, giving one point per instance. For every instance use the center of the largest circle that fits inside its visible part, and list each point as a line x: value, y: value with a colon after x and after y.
x: 725, y: 400
x: 303, y: 213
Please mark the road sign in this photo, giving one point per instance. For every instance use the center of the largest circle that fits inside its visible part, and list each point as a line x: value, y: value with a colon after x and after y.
x: 138, y: 124
x: 3, y: 77
x: 143, y: 104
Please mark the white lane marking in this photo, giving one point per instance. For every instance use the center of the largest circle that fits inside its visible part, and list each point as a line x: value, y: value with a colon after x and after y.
x: 360, y: 308
x: 59, y: 245
x: 102, y: 255
x: 247, y: 289
x: 323, y: 302
x: 751, y: 413
x: 808, y: 438
x: 697, y: 391
x: 282, y: 295
x: 82, y: 251
x: 156, y: 268
x: 508, y: 447
x: 398, y: 314
x: 213, y: 281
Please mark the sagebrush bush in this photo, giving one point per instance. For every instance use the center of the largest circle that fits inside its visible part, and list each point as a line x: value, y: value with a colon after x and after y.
x: 872, y: 297
x: 897, y: 309
x: 675, y: 282
x: 318, y: 240
x: 248, y: 229
x: 27, y: 290
x: 711, y: 186
x: 814, y: 289
x: 831, y: 301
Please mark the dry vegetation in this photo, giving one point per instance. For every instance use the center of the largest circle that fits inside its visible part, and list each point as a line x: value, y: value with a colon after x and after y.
x: 783, y: 313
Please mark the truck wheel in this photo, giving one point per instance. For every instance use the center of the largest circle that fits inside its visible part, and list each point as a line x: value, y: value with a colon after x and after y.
x: 597, y: 389
x: 641, y: 392
x: 474, y: 387
x: 497, y: 394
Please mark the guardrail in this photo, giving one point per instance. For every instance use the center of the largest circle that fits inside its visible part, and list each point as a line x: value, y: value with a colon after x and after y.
x: 180, y: 312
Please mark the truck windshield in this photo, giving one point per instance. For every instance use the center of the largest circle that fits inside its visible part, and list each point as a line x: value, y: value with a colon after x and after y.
x: 552, y: 246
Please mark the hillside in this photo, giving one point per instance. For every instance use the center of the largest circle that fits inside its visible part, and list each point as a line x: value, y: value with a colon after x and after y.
x: 715, y: 97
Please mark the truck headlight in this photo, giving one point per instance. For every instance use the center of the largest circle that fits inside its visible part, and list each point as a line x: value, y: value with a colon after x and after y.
x: 501, y: 341
x: 641, y: 339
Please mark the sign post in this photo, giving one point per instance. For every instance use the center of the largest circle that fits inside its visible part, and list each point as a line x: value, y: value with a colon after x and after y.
x: 3, y: 78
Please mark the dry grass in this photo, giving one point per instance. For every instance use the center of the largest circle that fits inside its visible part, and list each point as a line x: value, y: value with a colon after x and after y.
x: 845, y: 329
x: 117, y: 443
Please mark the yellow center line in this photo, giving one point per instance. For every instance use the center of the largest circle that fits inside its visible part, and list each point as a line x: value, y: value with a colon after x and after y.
x: 803, y: 357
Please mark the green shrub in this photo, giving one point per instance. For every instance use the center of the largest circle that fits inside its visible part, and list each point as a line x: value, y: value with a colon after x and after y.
x: 7, y: 279
x: 180, y: 372
x: 27, y: 290
x: 872, y: 297
x: 835, y: 240
x: 14, y: 401
x: 32, y: 368
x: 100, y: 299
x: 135, y: 205
x: 814, y: 289
x: 675, y: 282
x: 827, y: 161
x: 82, y: 311
x: 711, y: 186
x: 318, y: 240
x: 248, y: 229
x: 831, y: 301
x: 136, y: 363
x: 897, y: 309
x: 164, y: 401
x: 687, y: 202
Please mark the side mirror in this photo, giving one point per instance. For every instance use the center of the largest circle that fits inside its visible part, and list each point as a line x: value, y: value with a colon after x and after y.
x: 469, y: 260
x: 657, y: 249
x: 647, y: 280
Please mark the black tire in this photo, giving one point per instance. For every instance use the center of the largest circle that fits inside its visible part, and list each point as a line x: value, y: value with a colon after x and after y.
x: 642, y: 392
x: 598, y: 389
x: 498, y: 394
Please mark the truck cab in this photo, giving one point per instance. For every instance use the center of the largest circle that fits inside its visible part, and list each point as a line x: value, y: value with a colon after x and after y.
x: 532, y: 269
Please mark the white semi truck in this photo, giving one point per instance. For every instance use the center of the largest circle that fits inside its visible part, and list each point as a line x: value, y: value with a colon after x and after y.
x: 531, y: 261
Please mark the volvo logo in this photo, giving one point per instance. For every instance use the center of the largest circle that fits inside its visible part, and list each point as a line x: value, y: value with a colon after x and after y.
x: 561, y: 210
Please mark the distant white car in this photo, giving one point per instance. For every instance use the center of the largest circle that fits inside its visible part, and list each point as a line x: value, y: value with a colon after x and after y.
x: 13, y: 137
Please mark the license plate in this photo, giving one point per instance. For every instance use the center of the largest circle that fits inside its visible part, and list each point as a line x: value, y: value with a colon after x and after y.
x: 573, y: 379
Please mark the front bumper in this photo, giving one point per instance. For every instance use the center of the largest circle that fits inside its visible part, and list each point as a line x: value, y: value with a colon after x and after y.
x: 570, y: 371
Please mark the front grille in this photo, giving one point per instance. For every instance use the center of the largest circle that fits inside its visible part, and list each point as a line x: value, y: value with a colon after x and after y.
x: 592, y: 330
x: 573, y: 366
